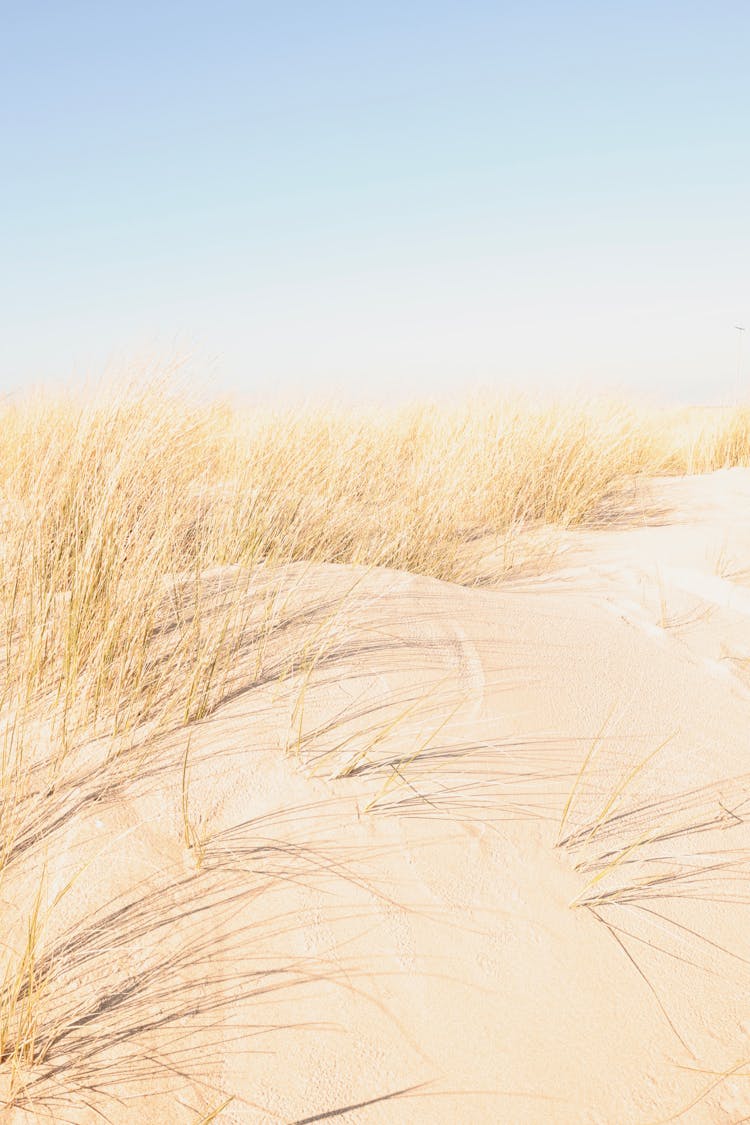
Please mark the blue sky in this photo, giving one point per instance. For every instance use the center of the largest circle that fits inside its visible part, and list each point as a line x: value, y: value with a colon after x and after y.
x: 381, y: 199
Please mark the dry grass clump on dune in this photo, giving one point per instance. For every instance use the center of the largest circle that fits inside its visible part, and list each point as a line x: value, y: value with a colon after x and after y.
x: 99, y: 502
x: 113, y: 513
x: 700, y: 440
x: 111, y: 510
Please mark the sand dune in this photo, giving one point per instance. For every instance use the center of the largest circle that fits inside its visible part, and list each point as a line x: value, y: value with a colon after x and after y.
x: 486, y: 859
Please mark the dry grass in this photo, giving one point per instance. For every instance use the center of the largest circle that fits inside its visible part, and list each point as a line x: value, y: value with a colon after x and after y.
x: 114, y: 512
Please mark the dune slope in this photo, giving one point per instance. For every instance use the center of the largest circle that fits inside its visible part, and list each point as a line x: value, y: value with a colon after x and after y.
x: 479, y: 854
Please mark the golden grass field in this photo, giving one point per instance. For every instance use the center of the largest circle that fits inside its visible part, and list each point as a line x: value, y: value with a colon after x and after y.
x: 251, y: 663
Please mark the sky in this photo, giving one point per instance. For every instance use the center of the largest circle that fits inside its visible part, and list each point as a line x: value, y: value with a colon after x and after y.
x: 378, y: 199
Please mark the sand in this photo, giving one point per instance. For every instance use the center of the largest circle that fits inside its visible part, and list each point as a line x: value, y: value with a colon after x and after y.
x: 488, y: 862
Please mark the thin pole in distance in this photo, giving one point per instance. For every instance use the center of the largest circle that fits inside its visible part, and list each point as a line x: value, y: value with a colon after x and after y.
x: 740, y: 334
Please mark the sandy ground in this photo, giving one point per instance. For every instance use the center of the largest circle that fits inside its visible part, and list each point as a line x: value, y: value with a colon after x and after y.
x: 488, y: 862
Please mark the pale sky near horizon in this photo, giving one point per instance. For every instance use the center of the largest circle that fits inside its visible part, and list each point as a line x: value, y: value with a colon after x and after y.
x: 389, y: 199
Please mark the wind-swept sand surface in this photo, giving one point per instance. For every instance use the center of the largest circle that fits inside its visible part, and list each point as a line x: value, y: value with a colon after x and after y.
x: 486, y: 857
